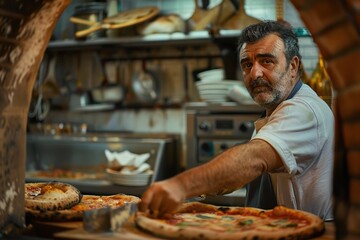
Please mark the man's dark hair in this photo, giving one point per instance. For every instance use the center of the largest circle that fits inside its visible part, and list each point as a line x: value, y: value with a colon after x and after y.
x: 282, y: 29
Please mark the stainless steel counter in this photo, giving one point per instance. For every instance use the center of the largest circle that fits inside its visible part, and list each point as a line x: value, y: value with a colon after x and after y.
x: 85, y: 153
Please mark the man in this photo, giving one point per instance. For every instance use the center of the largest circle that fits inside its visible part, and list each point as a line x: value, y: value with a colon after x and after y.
x: 293, y: 142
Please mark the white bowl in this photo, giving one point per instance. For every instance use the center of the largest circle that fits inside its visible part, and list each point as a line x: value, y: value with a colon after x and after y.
x: 141, y: 179
x: 211, y: 75
x: 216, y: 91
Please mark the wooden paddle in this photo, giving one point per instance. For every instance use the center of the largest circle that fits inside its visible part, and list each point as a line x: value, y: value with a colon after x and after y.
x: 123, y: 19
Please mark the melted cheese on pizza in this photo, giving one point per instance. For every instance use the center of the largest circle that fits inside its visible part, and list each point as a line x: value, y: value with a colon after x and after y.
x: 232, y: 223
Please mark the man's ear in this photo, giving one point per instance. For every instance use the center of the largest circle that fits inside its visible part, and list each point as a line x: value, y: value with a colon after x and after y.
x: 294, y: 66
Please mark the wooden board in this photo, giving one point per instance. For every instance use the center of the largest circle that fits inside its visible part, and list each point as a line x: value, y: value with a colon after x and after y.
x: 75, y: 230
x: 130, y: 232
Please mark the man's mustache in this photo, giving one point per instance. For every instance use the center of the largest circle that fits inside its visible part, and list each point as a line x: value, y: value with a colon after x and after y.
x: 259, y: 82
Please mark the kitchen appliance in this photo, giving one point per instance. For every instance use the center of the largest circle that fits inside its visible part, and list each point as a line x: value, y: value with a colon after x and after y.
x: 213, y: 128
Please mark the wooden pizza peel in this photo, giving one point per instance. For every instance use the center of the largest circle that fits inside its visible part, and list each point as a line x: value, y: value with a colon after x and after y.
x: 123, y: 19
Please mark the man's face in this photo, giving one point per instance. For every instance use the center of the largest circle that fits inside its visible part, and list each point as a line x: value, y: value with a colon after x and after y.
x: 267, y: 76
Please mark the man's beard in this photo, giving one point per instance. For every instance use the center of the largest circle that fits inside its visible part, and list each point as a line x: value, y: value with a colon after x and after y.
x: 275, y: 94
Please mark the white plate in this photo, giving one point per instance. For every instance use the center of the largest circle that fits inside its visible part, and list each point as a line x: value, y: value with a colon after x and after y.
x: 221, y: 83
x: 141, y: 179
x: 214, y: 97
x: 214, y: 91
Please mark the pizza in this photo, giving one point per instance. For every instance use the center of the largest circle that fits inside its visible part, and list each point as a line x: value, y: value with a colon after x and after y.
x: 51, y: 196
x: 204, y: 221
x: 74, y: 212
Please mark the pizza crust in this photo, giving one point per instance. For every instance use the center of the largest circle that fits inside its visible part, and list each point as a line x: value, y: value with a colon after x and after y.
x: 314, y: 225
x: 51, y: 196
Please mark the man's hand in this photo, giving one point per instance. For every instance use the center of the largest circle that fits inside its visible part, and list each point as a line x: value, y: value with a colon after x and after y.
x: 163, y: 197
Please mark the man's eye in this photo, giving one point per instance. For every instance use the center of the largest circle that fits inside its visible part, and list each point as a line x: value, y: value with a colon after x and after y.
x: 267, y: 61
x: 246, y: 65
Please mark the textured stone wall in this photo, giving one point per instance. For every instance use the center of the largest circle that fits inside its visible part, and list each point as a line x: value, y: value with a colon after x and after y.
x: 335, y: 27
x: 25, y: 29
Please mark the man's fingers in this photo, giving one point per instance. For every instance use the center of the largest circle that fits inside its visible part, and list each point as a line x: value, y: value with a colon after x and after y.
x: 146, y: 199
x: 154, y: 206
x: 167, y: 208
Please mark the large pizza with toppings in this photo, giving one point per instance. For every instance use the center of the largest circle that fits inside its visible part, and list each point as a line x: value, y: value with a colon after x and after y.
x: 205, y: 221
x: 57, y: 201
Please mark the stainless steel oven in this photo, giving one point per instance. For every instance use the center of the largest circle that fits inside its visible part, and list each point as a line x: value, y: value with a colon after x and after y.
x: 212, y: 129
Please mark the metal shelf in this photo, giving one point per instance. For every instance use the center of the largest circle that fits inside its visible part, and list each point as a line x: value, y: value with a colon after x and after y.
x: 154, y: 40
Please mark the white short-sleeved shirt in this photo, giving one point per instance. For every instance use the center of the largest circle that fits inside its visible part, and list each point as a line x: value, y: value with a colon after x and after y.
x: 301, y: 130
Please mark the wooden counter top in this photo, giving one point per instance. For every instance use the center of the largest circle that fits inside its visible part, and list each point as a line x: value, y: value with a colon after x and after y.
x: 74, y: 230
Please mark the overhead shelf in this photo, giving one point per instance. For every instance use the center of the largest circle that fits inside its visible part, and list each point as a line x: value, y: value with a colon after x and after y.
x: 154, y: 40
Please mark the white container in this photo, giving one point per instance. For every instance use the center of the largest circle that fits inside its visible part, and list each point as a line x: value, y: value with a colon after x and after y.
x: 213, y: 75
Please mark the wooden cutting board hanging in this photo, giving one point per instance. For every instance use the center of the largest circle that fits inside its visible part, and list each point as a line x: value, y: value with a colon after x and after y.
x: 123, y: 19
x: 240, y: 20
x: 203, y: 16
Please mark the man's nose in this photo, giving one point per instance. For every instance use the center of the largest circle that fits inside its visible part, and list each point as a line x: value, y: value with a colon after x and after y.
x: 256, y: 71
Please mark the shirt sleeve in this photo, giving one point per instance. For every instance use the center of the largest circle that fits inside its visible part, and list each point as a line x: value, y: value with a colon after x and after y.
x: 292, y: 131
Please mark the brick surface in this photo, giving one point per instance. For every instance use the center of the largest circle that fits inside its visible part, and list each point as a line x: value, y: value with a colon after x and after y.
x: 354, y: 4
x: 353, y: 162
x: 337, y: 39
x: 346, y: 100
x: 351, y: 136
x: 353, y: 221
x: 300, y: 4
x: 354, y: 191
x: 321, y: 14
x: 343, y: 70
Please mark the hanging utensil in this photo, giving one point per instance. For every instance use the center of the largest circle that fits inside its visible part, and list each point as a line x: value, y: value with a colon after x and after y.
x: 40, y: 106
x: 50, y: 88
x: 146, y: 85
x: 110, y: 90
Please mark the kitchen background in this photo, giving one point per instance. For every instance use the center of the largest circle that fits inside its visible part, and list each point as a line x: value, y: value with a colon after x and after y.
x: 73, y: 68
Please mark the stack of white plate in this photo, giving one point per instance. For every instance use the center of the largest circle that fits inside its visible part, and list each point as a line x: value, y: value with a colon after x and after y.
x: 212, y: 75
x: 140, y: 179
x: 216, y: 91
